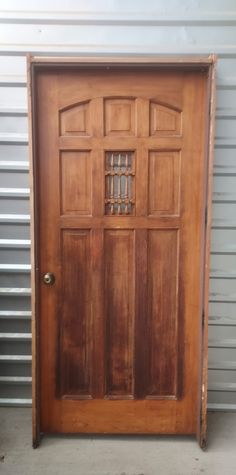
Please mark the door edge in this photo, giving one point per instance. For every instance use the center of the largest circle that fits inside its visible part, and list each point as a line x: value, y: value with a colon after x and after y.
x: 202, y: 424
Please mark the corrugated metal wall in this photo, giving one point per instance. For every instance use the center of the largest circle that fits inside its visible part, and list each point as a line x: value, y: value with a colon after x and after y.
x: 187, y: 26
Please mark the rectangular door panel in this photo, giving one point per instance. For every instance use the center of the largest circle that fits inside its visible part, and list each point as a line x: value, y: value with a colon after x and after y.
x: 75, y: 327
x: 164, y: 182
x: 119, y: 296
x: 76, y: 176
x: 162, y: 313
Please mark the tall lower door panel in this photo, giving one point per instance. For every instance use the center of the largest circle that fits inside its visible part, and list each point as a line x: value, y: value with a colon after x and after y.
x: 121, y: 185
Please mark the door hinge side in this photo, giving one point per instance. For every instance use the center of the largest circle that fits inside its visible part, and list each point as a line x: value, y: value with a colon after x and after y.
x: 206, y: 215
x: 203, y: 318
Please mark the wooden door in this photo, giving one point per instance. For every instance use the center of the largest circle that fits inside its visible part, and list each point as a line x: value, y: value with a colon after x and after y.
x: 121, y: 173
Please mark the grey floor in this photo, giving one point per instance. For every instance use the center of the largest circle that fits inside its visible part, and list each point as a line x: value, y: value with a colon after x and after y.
x: 106, y: 455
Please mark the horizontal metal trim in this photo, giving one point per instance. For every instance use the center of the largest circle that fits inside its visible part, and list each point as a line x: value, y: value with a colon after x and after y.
x: 222, y: 321
x: 11, y: 80
x: 13, y: 111
x: 16, y: 358
x: 222, y: 298
x: 221, y: 407
x: 108, y: 49
x: 227, y: 113
x: 226, y: 84
x: 225, y: 387
x: 15, y: 380
x: 117, y: 18
x: 13, y: 165
x: 224, y: 197
x: 15, y: 402
x: 16, y: 138
x: 15, y: 218
x: 15, y: 292
x: 226, y: 143
x: 15, y: 243
x: 70, y: 54
x: 16, y: 336
x: 15, y: 314
x: 222, y: 343
x: 224, y: 147
x: 14, y: 192
x: 224, y: 365
x: 219, y: 223
x: 219, y: 274
x: 223, y: 250
x: 224, y: 170
x: 15, y: 268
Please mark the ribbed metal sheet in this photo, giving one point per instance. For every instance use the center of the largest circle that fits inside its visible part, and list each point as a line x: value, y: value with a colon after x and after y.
x: 176, y: 27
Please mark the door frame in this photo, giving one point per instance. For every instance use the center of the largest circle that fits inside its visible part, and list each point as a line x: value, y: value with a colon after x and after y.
x: 37, y: 63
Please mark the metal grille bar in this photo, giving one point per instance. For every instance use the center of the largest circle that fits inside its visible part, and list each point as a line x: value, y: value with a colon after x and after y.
x: 119, y: 177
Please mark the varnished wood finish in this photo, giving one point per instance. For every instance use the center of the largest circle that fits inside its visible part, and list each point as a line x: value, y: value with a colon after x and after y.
x: 162, y: 313
x: 120, y: 340
x: 34, y: 256
x: 75, y: 352
x: 164, y: 182
x: 190, y: 62
x: 202, y: 426
x: 76, y: 167
x: 119, y: 316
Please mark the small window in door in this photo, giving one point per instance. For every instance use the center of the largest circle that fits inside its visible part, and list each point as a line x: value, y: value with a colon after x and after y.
x: 119, y: 183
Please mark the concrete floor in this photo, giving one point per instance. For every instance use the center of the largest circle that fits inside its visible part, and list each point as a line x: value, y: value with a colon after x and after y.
x: 105, y: 455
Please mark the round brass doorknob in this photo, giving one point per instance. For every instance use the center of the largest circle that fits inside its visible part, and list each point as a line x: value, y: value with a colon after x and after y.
x: 49, y: 278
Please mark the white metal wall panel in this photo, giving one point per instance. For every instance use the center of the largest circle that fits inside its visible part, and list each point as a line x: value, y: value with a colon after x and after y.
x: 108, y: 27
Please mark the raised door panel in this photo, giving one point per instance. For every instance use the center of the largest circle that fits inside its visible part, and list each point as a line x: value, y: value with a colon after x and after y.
x: 119, y: 292
x: 164, y: 183
x: 75, y: 329
x: 119, y: 117
x: 164, y: 120
x: 162, y: 313
x: 76, y: 182
x: 76, y: 120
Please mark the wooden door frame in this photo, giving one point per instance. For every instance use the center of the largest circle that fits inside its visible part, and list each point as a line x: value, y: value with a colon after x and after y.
x: 36, y: 63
